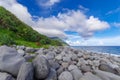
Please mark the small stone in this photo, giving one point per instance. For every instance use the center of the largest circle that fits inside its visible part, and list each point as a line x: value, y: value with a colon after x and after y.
x: 85, y: 68
x: 58, y: 57
x: 72, y: 67
x: 74, y: 57
x: 54, y: 64
x: 80, y: 54
x: 65, y: 64
x: 21, y: 52
x: 66, y: 59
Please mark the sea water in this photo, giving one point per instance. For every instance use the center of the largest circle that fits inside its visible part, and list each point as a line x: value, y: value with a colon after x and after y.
x: 101, y: 49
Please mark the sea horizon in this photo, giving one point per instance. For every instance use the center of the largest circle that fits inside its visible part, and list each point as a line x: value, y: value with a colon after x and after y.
x: 100, y: 49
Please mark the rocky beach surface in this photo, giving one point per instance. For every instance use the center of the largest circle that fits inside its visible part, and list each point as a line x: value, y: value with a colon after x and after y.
x: 56, y: 63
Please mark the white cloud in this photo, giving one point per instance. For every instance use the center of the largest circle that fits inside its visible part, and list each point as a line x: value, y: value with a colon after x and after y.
x: 116, y: 24
x: 17, y: 9
x: 47, y: 3
x: 83, y: 8
x: 56, y: 25
x: 110, y: 41
x: 113, y: 11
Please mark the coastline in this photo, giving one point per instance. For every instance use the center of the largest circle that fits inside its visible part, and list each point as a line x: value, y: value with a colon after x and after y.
x: 110, y: 50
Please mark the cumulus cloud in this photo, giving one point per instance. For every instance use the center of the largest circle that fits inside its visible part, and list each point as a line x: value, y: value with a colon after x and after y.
x: 17, y: 9
x: 55, y: 26
x: 47, y: 3
x: 108, y: 41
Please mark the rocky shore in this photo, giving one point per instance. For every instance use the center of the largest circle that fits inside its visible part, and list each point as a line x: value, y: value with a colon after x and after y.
x: 61, y: 63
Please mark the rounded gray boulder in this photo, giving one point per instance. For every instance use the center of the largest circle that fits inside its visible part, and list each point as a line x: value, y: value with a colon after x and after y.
x: 65, y: 76
x: 26, y: 72
x: 41, y: 67
x: 10, y: 60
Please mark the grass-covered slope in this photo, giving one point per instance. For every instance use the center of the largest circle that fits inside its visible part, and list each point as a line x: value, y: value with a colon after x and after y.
x: 14, y: 31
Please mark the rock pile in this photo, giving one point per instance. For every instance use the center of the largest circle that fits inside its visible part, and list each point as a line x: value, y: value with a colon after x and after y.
x: 61, y: 63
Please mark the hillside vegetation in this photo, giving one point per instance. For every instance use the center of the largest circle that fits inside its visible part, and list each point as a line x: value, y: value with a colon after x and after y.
x: 14, y: 31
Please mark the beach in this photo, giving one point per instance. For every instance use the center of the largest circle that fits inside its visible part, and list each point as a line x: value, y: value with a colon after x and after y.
x: 56, y: 63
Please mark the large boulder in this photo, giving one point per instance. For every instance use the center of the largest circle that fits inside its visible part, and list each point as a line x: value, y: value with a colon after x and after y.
x: 77, y: 74
x: 90, y: 76
x: 41, y: 67
x: 106, y: 67
x: 52, y: 75
x: 65, y: 76
x: 106, y: 75
x: 26, y: 72
x: 5, y: 76
x: 10, y: 60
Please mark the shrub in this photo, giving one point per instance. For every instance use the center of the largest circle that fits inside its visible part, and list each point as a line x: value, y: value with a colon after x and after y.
x: 6, y: 40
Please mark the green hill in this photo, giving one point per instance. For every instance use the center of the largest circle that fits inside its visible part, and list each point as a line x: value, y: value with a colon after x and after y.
x: 14, y: 31
x: 58, y: 39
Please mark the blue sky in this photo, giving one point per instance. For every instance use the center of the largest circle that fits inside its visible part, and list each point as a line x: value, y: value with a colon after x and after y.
x: 78, y: 22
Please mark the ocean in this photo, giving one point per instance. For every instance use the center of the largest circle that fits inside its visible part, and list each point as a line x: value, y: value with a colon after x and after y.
x: 101, y: 49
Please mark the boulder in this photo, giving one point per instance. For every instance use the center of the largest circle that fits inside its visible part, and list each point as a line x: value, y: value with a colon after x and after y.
x: 74, y: 57
x: 65, y: 65
x: 80, y: 54
x: 50, y: 55
x: 90, y: 76
x: 54, y: 64
x: 106, y: 67
x: 10, y: 60
x: 26, y: 72
x: 41, y: 67
x: 60, y: 70
x: 30, y: 50
x: 85, y: 68
x: 21, y: 52
x: 5, y: 76
x: 106, y: 75
x: 52, y: 75
x: 58, y: 57
x: 65, y: 76
x: 72, y: 67
x: 76, y: 73
x: 66, y: 59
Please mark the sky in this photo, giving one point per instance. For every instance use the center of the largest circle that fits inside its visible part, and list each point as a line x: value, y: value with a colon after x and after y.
x: 78, y: 22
